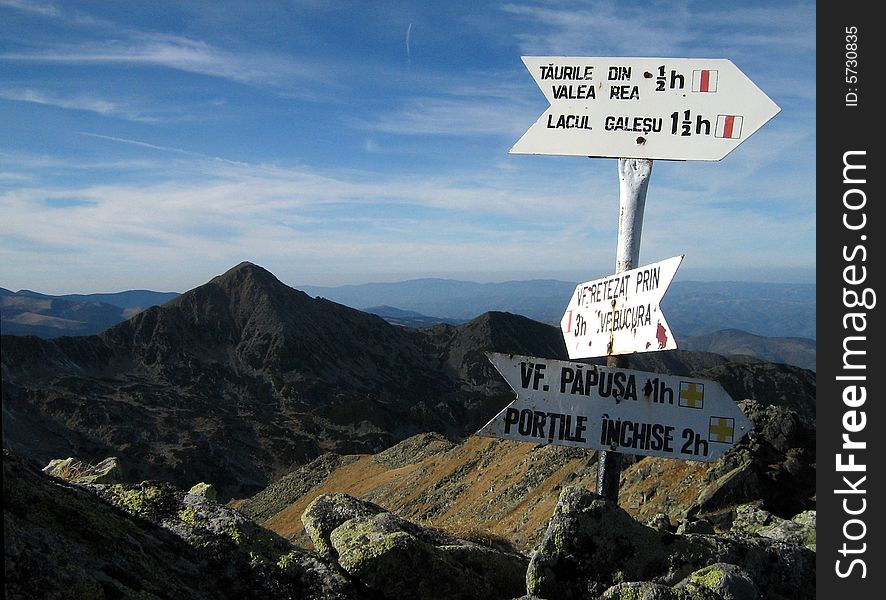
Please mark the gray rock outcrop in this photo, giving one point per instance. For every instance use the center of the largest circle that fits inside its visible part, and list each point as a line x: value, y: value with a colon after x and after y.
x: 149, y: 541
x: 592, y: 545
x: 775, y: 464
x: 399, y: 559
x: 76, y: 471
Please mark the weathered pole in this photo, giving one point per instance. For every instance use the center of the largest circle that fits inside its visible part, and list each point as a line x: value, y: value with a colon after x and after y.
x: 633, y: 176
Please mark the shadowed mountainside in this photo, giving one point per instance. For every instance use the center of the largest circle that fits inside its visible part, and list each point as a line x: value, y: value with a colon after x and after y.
x: 243, y: 378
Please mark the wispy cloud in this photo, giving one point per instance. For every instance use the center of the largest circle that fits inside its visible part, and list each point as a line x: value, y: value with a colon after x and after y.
x: 41, y: 8
x: 352, y: 222
x: 454, y: 116
x: 658, y: 28
x: 83, y: 102
x: 175, y: 52
x: 170, y: 149
x: 599, y: 28
x: 53, y: 11
x: 388, y: 167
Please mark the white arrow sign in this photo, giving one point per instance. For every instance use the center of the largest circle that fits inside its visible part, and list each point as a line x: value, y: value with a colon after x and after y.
x: 620, y: 314
x: 601, y: 408
x: 655, y: 108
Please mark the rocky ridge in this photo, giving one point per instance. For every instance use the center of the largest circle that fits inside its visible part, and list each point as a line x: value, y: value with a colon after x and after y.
x: 148, y: 541
x: 495, y: 489
x: 151, y: 540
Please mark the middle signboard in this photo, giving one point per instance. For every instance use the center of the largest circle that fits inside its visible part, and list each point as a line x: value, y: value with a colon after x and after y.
x: 620, y: 314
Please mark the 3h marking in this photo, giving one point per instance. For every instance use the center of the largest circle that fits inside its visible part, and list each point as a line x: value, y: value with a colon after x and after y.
x: 581, y: 326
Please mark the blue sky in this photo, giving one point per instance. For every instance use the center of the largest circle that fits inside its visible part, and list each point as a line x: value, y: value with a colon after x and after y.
x: 157, y: 144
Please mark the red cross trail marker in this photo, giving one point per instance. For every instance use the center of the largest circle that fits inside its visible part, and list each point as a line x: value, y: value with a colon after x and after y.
x: 655, y: 108
x: 620, y: 314
x: 616, y: 410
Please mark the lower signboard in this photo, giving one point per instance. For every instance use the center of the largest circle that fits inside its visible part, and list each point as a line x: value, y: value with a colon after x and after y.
x: 620, y: 410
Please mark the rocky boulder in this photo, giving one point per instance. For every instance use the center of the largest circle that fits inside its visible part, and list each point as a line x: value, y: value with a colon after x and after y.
x: 330, y: 511
x: 399, y: 559
x: 592, y: 545
x: 77, y: 471
x: 206, y: 490
x: 148, y: 540
x: 224, y: 533
x: 800, y: 531
x: 720, y: 581
x: 774, y: 464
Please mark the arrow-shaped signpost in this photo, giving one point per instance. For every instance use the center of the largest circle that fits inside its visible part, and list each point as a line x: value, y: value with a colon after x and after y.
x: 647, y: 108
x: 636, y: 110
x: 620, y: 314
x: 602, y: 408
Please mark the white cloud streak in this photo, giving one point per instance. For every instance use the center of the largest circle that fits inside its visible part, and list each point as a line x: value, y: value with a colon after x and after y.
x: 169, y: 149
x: 84, y: 102
x: 175, y: 52
x: 319, y: 223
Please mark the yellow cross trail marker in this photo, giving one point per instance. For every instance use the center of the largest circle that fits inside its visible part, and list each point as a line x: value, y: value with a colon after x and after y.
x: 691, y: 394
x: 721, y: 430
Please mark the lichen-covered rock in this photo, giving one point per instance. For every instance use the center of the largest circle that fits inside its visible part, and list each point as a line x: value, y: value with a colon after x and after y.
x: 647, y: 590
x: 640, y: 590
x: 63, y: 540
x: 660, y: 522
x: 399, y: 559
x: 206, y: 490
x: 592, y: 545
x: 719, y: 581
x: 76, y: 471
x: 726, y: 581
x: 774, y: 464
x: 329, y: 511
x: 751, y: 519
x: 695, y: 526
x: 225, y: 534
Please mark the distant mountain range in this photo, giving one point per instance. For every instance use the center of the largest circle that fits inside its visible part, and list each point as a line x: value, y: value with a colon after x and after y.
x: 774, y: 322
x: 239, y: 379
x: 32, y: 313
x: 692, y: 308
x: 735, y: 342
x: 409, y: 318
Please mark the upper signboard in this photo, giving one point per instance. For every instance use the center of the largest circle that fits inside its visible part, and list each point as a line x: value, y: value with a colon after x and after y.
x: 654, y: 108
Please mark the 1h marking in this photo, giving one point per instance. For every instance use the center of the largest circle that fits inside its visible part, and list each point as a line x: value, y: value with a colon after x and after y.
x: 661, y: 393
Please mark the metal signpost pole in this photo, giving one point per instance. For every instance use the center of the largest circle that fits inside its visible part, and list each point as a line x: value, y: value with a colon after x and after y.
x: 638, y: 110
x: 633, y: 175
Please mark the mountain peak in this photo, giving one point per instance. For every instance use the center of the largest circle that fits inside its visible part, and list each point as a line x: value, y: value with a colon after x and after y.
x: 245, y: 272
